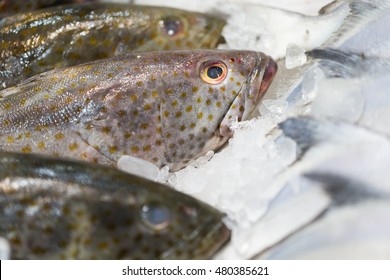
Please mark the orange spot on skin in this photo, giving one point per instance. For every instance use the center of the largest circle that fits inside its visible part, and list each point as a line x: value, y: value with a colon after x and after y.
x: 73, y: 146
x: 26, y: 149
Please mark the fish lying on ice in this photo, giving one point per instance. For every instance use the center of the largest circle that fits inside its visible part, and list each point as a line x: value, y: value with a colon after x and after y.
x: 167, y: 108
x: 58, y: 209
x: 350, y: 102
x: 363, y: 31
x: 39, y: 41
x: 10, y: 7
x: 348, y: 163
x: 343, y: 151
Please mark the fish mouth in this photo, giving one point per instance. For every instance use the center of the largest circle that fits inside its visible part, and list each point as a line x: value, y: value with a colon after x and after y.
x: 261, y: 77
x: 268, y: 76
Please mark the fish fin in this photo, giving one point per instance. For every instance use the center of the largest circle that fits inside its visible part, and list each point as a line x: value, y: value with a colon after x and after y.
x: 90, y: 153
x: 343, y: 190
x: 8, y: 91
x: 361, y: 12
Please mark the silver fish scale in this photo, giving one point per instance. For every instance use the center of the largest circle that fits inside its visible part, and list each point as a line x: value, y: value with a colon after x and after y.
x: 150, y: 105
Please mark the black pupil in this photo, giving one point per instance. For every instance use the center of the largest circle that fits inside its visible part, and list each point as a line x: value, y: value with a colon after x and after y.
x: 172, y: 26
x: 214, y: 72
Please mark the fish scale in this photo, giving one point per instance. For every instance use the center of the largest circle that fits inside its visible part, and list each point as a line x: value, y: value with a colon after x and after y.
x: 152, y: 105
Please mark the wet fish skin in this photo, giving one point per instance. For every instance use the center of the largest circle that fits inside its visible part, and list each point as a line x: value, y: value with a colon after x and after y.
x: 150, y: 105
x: 58, y: 209
x: 36, y: 42
x: 10, y: 7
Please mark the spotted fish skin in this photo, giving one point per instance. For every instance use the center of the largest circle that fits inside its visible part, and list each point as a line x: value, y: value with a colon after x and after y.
x: 10, y: 7
x: 39, y: 41
x: 151, y: 105
x: 58, y: 209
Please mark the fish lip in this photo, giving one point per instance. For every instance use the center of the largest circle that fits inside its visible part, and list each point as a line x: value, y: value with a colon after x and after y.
x: 268, y: 76
x: 261, y: 77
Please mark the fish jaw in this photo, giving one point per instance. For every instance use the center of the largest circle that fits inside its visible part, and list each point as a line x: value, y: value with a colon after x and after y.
x: 251, y: 94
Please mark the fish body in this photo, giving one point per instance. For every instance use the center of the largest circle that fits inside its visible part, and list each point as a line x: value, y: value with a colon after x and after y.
x: 39, y: 41
x: 159, y: 106
x: 58, y: 209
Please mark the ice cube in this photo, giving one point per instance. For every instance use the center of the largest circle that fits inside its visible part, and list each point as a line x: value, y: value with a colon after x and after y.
x: 295, y: 56
x: 338, y: 99
x: 139, y: 167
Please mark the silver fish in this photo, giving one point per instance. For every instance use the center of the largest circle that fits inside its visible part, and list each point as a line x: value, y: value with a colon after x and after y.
x: 57, y: 209
x: 364, y: 30
x: 165, y: 107
x: 348, y: 164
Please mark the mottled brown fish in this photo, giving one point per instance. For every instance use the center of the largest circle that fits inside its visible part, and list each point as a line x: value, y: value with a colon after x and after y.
x: 57, y: 209
x: 165, y: 107
x: 10, y: 7
x: 36, y: 42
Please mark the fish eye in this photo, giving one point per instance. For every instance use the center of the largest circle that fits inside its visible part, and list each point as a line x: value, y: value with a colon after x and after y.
x: 155, y: 216
x: 171, y: 26
x: 213, y: 73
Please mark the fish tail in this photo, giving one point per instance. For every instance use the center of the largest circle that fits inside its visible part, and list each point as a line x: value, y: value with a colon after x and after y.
x: 361, y: 12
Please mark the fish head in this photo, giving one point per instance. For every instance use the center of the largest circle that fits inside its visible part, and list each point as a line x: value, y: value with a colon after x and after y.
x: 177, y: 29
x: 155, y: 222
x: 208, y: 90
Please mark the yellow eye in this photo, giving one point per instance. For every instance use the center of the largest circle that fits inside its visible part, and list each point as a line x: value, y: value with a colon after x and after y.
x: 213, y: 73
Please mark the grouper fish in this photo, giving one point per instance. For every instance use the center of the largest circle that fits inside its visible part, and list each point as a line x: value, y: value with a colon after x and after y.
x: 35, y: 42
x: 165, y: 107
x: 59, y: 209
